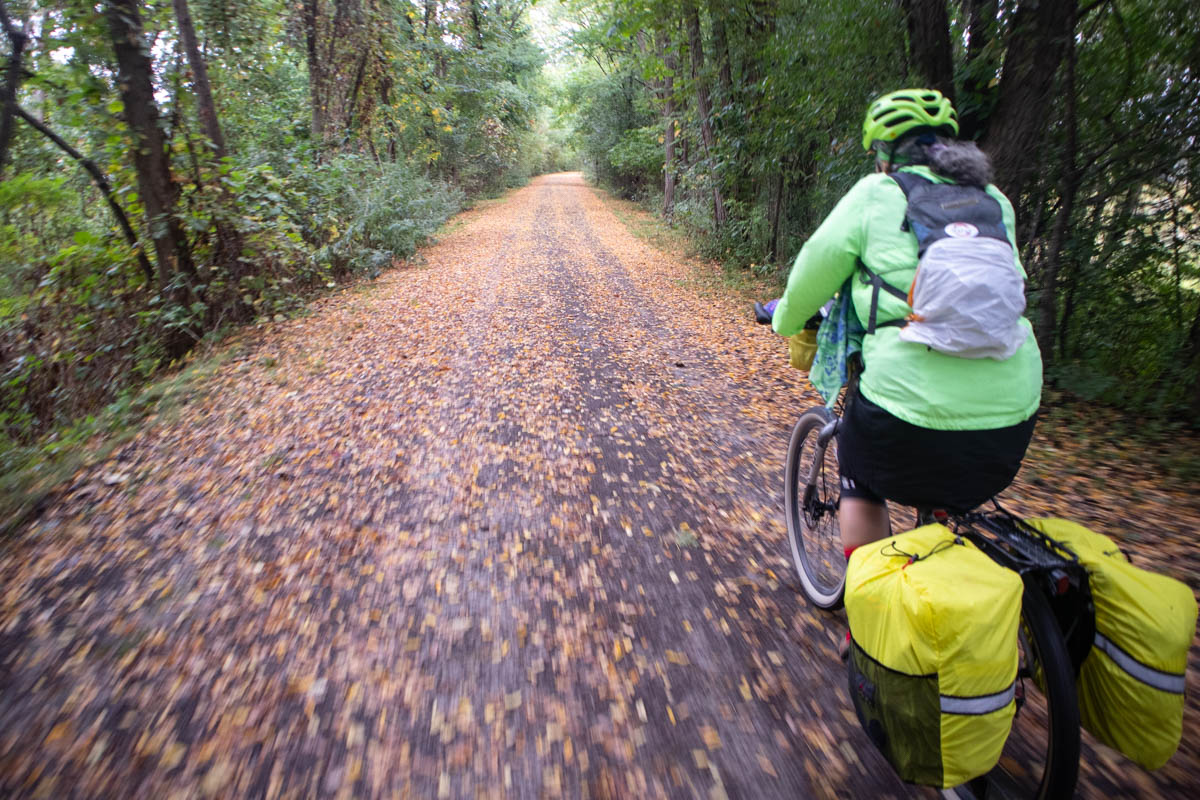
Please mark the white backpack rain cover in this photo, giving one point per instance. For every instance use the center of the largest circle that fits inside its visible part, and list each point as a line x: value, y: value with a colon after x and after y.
x: 968, y: 295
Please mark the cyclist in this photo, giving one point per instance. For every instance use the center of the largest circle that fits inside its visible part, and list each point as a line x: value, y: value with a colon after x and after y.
x: 926, y: 428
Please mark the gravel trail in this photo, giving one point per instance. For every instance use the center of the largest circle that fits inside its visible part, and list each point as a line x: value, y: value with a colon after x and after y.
x: 505, y: 523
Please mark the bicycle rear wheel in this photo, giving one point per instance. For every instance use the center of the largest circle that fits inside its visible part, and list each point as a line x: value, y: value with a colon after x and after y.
x: 1041, y: 757
x: 811, y: 495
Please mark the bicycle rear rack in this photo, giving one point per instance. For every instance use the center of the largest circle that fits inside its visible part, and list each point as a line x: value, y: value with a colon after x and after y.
x: 1045, y: 564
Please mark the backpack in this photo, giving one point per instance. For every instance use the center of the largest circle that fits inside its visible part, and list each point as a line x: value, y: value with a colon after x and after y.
x: 967, y: 296
x: 1131, y: 685
x: 933, y: 653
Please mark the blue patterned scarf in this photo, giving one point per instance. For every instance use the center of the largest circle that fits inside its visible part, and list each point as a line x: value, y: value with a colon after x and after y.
x: 839, y: 337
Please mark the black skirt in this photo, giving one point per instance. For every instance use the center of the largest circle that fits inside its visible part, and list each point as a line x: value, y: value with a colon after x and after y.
x: 882, y: 457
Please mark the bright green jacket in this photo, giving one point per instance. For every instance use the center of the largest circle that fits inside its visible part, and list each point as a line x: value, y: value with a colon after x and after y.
x: 916, y: 384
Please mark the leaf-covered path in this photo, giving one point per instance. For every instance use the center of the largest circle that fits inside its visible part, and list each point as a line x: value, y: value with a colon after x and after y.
x: 506, y: 524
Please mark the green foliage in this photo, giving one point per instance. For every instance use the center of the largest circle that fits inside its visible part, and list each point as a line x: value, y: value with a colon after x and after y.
x: 546, y: 148
x: 605, y: 109
x: 788, y: 83
x: 638, y: 151
x: 369, y: 215
x: 1127, y: 304
x: 421, y: 112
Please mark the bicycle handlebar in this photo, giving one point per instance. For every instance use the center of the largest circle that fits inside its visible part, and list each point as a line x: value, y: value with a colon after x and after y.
x: 761, y: 315
x: 764, y: 312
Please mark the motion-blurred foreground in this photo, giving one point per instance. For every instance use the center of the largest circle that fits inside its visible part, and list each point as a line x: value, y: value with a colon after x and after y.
x: 505, y: 525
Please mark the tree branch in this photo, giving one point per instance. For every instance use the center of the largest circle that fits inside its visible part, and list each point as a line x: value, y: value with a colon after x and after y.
x: 1083, y: 12
x: 8, y: 92
x: 101, y: 183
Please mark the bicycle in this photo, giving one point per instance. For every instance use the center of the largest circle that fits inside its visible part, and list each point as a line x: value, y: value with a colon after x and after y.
x: 1057, y: 619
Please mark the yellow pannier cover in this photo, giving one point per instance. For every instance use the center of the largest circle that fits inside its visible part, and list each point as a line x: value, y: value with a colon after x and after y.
x: 934, y: 658
x: 1131, y: 684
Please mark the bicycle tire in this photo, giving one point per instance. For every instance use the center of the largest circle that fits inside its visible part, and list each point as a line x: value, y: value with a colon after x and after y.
x: 1050, y: 669
x: 814, y: 537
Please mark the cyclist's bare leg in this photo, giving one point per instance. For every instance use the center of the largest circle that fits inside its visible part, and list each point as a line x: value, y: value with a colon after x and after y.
x: 861, y: 521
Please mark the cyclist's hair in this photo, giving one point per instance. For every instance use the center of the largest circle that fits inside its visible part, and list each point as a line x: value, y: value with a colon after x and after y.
x: 962, y: 162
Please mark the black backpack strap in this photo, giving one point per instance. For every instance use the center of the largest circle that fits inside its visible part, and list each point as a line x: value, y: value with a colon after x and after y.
x: 907, y: 181
x: 877, y: 282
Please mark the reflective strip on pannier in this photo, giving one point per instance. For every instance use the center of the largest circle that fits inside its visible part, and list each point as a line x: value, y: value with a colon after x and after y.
x: 933, y: 656
x: 1131, y: 685
x: 1164, y: 681
x: 985, y: 704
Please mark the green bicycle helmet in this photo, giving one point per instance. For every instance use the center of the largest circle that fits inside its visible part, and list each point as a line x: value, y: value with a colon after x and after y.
x: 897, y: 113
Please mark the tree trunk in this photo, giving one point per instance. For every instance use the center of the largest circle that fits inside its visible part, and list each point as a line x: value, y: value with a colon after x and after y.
x: 668, y: 55
x: 1178, y: 233
x: 729, y: 126
x: 1064, y: 322
x: 316, y: 72
x: 342, y: 42
x: 683, y: 137
x: 229, y: 243
x: 1192, y: 361
x: 205, y: 107
x: 1048, y: 302
x: 1037, y: 40
x: 385, y: 92
x: 685, y: 144
x: 704, y: 107
x: 775, y: 213
x: 12, y: 81
x: 929, y: 43
x: 352, y: 104
x: 1048, y: 297
x: 158, y: 192
x: 974, y: 101
x: 981, y: 20
x: 721, y: 51
x: 475, y: 23
x: 760, y: 25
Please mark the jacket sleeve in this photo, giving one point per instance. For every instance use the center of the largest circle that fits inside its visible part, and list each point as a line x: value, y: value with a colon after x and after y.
x: 826, y: 260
